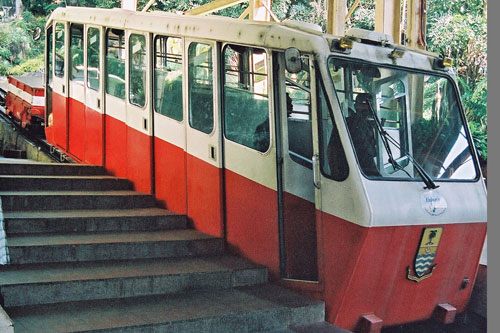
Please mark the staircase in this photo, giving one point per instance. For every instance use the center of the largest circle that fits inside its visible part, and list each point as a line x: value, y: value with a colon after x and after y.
x: 87, y: 253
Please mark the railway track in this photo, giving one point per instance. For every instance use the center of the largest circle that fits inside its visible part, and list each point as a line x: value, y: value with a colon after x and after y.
x: 35, y: 138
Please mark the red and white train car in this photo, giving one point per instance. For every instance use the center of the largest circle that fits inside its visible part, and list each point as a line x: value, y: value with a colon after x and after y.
x: 25, y: 99
x: 345, y: 165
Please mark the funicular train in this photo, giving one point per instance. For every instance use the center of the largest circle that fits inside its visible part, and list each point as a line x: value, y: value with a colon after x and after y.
x: 343, y: 164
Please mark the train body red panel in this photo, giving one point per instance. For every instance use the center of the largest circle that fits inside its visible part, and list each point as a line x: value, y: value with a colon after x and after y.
x: 328, y: 172
x: 204, y: 196
x: 25, y: 99
x: 138, y: 154
x: 94, y: 149
x: 383, y: 255
x: 77, y: 132
x: 170, y: 176
x: 60, y: 120
x: 115, y: 150
x: 251, y: 216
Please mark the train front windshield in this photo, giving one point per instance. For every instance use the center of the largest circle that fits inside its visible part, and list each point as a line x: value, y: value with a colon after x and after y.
x: 401, y: 122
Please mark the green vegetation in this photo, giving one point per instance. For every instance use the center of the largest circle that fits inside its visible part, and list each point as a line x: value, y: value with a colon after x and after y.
x: 458, y: 29
x: 455, y: 28
x: 17, y: 44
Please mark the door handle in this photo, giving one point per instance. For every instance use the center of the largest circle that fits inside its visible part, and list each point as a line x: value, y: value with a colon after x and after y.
x: 316, y: 172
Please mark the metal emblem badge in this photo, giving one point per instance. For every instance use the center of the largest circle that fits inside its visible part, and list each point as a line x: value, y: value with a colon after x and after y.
x: 426, y: 253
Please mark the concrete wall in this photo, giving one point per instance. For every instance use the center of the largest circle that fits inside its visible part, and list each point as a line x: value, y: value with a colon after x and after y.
x: 11, y: 139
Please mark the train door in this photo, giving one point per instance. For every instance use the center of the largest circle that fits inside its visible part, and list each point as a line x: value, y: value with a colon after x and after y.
x: 115, y: 126
x: 93, y: 96
x: 60, y: 87
x: 296, y: 190
x: 139, y: 123
x: 203, y: 158
x: 76, y: 93
x: 251, y: 218
x: 169, y: 129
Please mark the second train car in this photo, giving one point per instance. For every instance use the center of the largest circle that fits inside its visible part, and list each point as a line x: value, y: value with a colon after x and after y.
x: 343, y: 164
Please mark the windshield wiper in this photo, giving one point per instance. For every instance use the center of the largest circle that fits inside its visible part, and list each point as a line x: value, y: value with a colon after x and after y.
x: 428, y: 181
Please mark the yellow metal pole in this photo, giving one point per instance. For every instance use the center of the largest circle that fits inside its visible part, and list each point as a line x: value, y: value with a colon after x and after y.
x: 352, y: 9
x: 388, y: 18
x: 214, y: 6
x: 337, y: 11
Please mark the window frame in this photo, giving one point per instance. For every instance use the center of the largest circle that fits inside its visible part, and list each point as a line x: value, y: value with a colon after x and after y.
x: 87, y: 44
x: 129, y: 63
x: 409, y: 70
x: 63, y: 69
x: 214, y: 87
x: 154, y: 69
x: 269, y: 96
x: 106, y: 65
x: 70, y: 58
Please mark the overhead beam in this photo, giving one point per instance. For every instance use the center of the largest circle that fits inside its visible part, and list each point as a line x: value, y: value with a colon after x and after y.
x: 213, y: 7
x: 337, y: 12
x: 388, y: 18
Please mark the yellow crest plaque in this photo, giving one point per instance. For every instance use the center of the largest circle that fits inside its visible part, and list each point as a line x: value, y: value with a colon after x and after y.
x: 426, y: 253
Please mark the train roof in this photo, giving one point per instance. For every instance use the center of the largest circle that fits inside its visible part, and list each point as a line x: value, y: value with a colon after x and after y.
x: 267, y: 34
x: 273, y: 35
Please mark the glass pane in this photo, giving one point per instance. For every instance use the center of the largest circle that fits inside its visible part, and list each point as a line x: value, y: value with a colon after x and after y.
x: 168, y: 77
x: 76, y: 53
x: 93, y: 58
x: 246, y: 107
x: 332, y: 155
x: 59, y: 53
x: 298, y: 100
x: 115, y: 63
x: 201, y: 87
x: 50, y: 62
x: 394, y: 115
x: 137, y: 68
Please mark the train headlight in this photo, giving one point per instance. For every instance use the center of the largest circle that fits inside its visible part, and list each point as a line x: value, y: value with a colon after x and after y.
x: 346, y: 43
x: 442, y: 63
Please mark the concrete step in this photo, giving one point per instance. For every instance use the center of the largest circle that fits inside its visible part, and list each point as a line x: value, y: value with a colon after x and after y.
x: 53, y: 200
x: 43, y: 248
x: 243, y: 309
x: 92, y: 220
x: 48, y: 169
x: 63, y: 183
x: 14, y: 153
x: 63, y: 282
x: 320, y: 327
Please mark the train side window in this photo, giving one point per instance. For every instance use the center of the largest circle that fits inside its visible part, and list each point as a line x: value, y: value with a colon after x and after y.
x: 332, y: 155
x: 168, y: 77
x: 59, y: 51
x: 50, y: 59
x: 115, y: 63
x: 93, y: 58
x: 137, y: 69
x: 201, y: 87
x: 246, y: 99
x: 76, y: 52
x: 49, y: 77
x: 298, y: 103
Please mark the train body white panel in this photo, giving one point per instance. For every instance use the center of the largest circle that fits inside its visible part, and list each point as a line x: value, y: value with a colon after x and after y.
x: 115, y: 108
x: 169, y: 130
x: 464, y: 203
x: 250, y: 164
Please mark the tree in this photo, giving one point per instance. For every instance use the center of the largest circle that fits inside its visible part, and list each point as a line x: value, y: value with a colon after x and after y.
x: 458, y: 29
